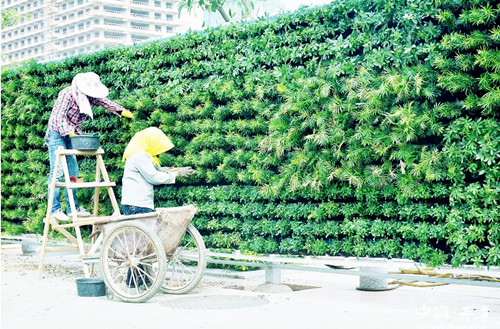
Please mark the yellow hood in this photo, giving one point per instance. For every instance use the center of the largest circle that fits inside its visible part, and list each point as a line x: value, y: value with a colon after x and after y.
x: 150, y: 140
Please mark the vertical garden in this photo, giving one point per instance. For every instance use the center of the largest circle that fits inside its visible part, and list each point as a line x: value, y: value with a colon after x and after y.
x: 366, y: 128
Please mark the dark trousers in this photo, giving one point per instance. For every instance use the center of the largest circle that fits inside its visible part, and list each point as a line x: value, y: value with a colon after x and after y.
x: 132, y: 210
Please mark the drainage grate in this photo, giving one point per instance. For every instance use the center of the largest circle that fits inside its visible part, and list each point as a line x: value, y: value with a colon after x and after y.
x: 293, y: 287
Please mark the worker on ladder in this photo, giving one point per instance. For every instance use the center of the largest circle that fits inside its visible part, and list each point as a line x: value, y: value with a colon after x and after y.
x: 73, y: 107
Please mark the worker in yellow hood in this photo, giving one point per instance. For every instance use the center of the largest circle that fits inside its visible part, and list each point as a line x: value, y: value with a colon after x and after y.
x: 150, y: 140
x: 142, y: 170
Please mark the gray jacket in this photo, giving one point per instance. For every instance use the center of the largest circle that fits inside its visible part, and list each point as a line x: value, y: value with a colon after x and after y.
x: 139, y: 178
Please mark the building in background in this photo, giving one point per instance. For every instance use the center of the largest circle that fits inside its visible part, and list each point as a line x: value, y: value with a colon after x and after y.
x: 51, y: 30
x: 55, y: 29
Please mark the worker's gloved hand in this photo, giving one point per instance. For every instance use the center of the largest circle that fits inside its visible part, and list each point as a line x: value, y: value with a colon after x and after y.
x: 72, y: 134
x: 186, y: 171
x: 127, y: 114
x: 167, y: 169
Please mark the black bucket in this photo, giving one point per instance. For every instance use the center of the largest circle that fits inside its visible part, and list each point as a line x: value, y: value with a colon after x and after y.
x: 85, y: 142
x: 90, y: 287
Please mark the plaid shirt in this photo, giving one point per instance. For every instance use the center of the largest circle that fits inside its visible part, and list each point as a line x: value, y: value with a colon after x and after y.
x: 66, y: 117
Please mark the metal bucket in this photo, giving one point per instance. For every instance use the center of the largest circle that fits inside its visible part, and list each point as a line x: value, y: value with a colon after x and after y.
x: 85, y: 142
x: 90, y: 287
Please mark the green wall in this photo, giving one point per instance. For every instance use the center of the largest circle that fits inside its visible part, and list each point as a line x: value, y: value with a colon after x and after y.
x: 365, y: 128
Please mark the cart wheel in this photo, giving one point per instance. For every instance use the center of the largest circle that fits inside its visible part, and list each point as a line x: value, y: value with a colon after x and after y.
x: 127, y: 251
x: 186, y: 266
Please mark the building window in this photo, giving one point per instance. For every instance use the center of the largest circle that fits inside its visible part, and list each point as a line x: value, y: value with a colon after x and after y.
x: 139, y: 13
x: 170, y: 29
x: 139, y: 26
x: 169, y: 5
x: 141, y: 2
x: 114, y: 22
x: 170, y: 17
x: 157, y: 4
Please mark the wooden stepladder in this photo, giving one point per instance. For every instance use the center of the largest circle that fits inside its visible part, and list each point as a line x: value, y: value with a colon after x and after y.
x: 101, y: 181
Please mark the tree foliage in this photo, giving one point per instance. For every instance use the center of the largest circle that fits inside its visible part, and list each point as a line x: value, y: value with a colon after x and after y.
x: 217, y: 6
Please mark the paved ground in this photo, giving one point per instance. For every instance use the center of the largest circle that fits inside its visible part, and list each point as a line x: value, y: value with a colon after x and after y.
x: 320, y: 300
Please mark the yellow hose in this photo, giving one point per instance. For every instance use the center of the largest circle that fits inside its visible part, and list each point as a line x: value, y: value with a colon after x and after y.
x: 431, y: 273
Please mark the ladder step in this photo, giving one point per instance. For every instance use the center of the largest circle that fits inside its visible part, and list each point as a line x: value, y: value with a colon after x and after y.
x: 84, y: 221
x: 62, y: 151
x: 85, y: 185
x: 89, y: 257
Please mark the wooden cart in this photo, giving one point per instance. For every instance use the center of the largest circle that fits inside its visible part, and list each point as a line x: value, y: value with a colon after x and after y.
x: 134, y: 261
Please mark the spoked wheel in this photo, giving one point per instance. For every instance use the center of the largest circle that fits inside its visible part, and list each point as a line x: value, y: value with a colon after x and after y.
x: 129, y: 251
x: 186, y: 266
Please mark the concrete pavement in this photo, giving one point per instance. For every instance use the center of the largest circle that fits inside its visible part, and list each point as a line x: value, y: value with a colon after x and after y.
x: 229, y: 300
